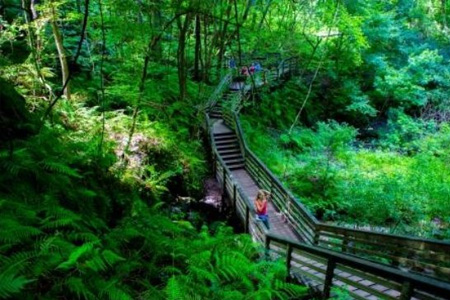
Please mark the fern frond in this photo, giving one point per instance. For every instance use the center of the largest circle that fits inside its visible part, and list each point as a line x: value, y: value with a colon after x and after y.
x: 111, y: 258
x: 11, y: 284
x: 13, y: 232
x: 77, y: 287
x: 75, y: 255
x: 96, y: 263
x: 201, y: 274
x: 83, y: 236
x: 59, y: 217
x: 173, y: 289
x: 114, y: 293
x: 60, y: 168
x: 292, y: 290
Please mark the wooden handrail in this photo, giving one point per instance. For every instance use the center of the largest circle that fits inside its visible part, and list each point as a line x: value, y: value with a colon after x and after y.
x: 218, y: 92
x: 368, y: 244
x: 272, y: 177
x: 362, y: 243
x: 380, y: 247
x: 437, y: 287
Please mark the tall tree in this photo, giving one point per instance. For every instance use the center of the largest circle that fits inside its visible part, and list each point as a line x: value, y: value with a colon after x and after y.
x: 61, y: 51
x: 197, y: 52
x: 183, y: 26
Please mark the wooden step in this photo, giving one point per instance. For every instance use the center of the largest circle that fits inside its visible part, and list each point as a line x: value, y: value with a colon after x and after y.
x: 226, y: 142
x: 235, y: 155
x: 223, y: 134
x: 230, y: 138
x: 229, y: 151
x: 237, y: 167
x: 221, y: 148
x: 233, y: 162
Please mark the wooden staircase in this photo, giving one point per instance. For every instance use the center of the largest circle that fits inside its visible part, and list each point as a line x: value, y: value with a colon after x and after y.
x: 228, y: 147
x: 365, y: 264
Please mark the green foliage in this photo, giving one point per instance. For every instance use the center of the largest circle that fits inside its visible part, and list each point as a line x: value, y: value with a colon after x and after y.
x: 400, y: 184
x: 69, y: 229
x: 407, y: 86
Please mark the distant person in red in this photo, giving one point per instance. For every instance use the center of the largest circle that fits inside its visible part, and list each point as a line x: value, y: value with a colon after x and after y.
x: 261, y: 207
x: 244, y: 71
x: 252, y: 69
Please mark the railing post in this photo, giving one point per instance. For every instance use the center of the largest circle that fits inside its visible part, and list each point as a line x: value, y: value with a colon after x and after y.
x: 247, y: 219
x: 224, y: 179
x: 271, y: 187
x: 407, y: 291
x: 214, y: 163
x: 267, y: 247
x: 344, y: 243
x: 267, y: 242
x: 329, y: 278
x: 288, y: 261
x: 234, y: 197
x: 316, y: 236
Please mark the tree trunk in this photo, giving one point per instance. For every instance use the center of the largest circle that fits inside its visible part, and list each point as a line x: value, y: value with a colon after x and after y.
x: 221, y: 41
x: 238, y: 32
x: 444, y: 13
x: 247, y: 9
x: 157, y: 24
x: 61, y: 54
x: 181, y: 55
x: 205, y: 65
x: 198, y: 44
x: 264, y: 14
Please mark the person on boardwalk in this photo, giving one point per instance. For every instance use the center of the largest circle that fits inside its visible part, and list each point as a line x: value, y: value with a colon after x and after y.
x: 261, y: 207
x: 244, y: 71
x: 258, y: 67
x: 232, y: 63
x: 251, y: 70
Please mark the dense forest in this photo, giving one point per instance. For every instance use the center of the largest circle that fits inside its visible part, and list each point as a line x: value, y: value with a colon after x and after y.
x: 102, y: 149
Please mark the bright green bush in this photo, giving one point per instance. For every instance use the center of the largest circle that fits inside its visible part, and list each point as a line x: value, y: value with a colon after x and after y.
x: 401, y: 185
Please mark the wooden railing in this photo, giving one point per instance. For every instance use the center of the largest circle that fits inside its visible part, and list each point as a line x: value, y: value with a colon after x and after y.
x: 220, y: 89
x: 324, y: 267
x: 425, y: 256
x: 362, y: 278
x: 240, y: 203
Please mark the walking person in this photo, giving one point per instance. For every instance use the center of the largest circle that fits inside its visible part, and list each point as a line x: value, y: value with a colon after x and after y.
x: 261, y: 207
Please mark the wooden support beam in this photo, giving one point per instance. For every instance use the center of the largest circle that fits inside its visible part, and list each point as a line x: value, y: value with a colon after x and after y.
x: 407, y: 291
x: 224, y: 187
x: 234, y: 197
x: 288, y: 261
x: 247, y: 219
x: 329, y: 277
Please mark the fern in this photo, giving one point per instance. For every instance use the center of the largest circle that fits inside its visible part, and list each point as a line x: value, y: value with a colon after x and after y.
x: 59, y: 167
x: 111, y: 258
x: 85, y: 249
x: 13, y: 232
x: 79, y: 288
x: 11, y: 284
x: 96, y: 262
x: 114, y: 292
x: 173, y: 289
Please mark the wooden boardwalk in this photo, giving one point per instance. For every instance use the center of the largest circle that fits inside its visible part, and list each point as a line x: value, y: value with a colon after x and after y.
x: 308, y: 268
x: 278, y: 223
x: 310, y: 248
